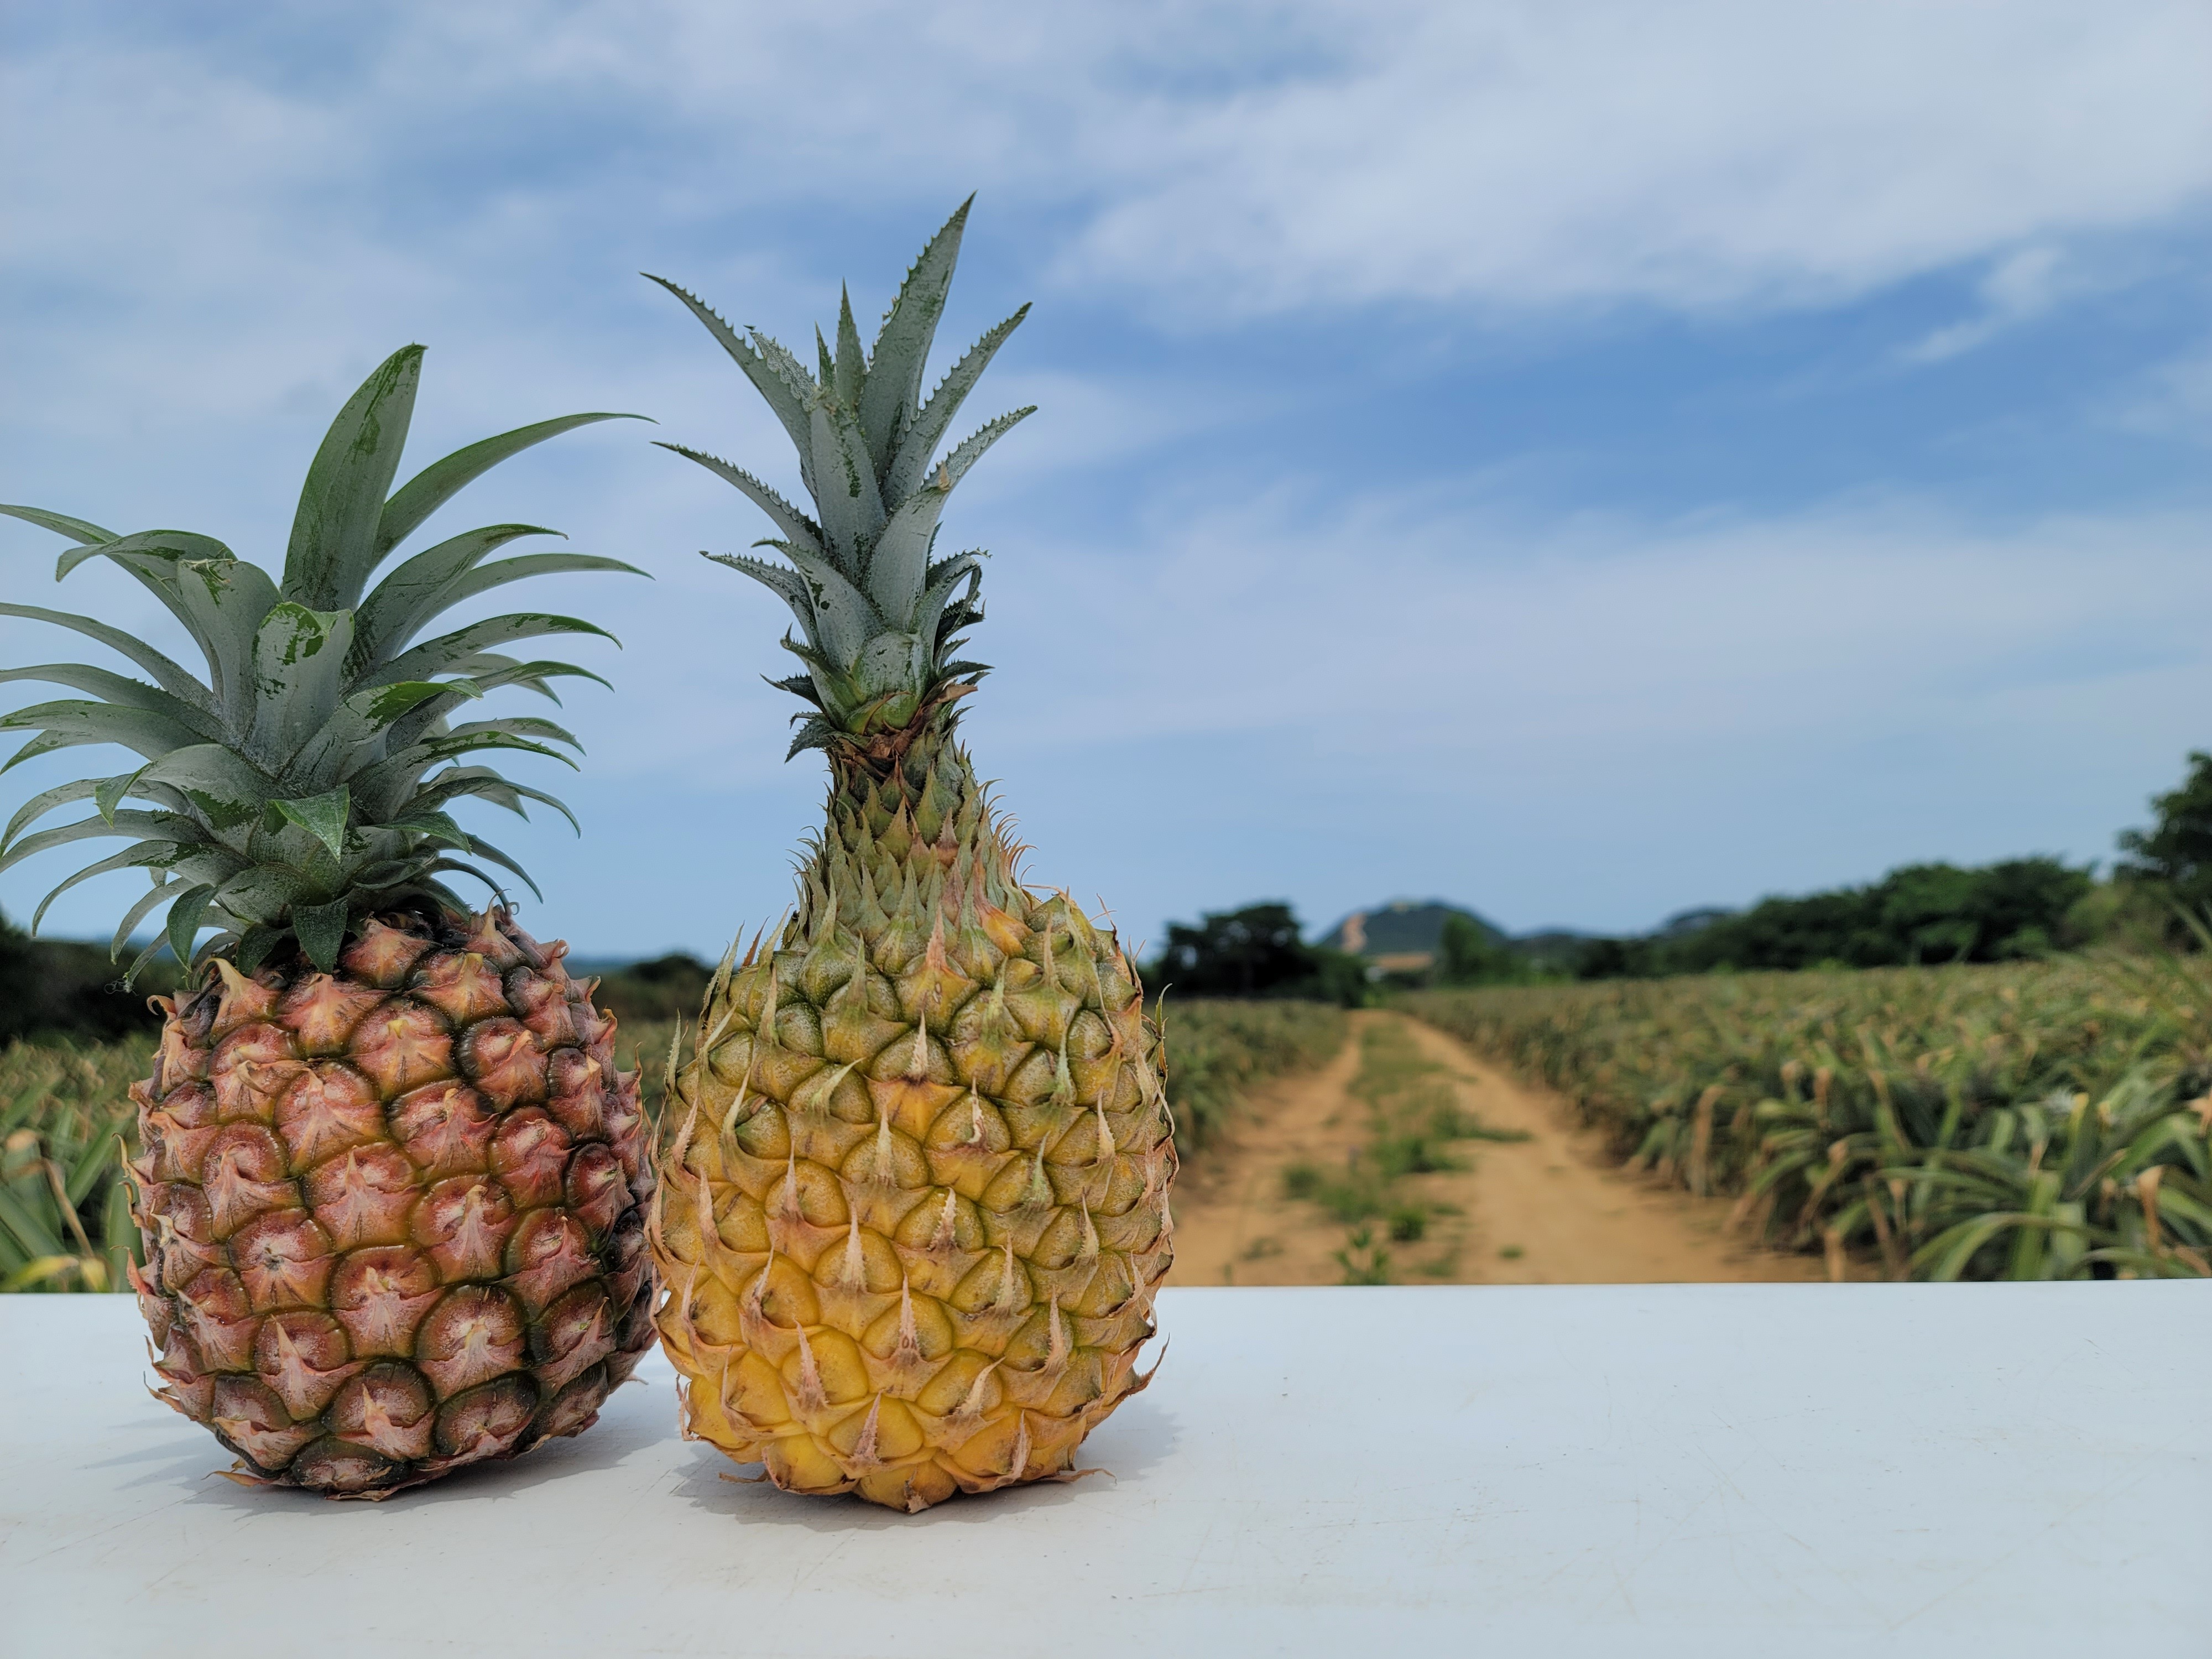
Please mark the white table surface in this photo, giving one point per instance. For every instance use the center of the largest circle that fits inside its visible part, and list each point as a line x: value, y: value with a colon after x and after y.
x: 1624, y: 1470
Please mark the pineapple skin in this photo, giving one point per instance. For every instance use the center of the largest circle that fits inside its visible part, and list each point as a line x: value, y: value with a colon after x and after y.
x: 913, y: 1211
x: 392, y: 1217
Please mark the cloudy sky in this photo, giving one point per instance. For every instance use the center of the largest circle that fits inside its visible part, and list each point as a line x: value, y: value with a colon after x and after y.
x: 1583, y: 460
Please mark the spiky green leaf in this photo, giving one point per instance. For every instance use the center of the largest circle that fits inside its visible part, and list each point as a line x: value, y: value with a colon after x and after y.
x: 321, y: 929
x: 322, y: 816
x: 893, y: 393
x: 334, y: 544
x: 171, y: 677
x: 917, y: 443
x: 77, y: 530
x: 184, y: 920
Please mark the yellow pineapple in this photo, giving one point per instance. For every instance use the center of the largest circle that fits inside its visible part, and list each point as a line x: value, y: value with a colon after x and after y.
x: 914, y: 1206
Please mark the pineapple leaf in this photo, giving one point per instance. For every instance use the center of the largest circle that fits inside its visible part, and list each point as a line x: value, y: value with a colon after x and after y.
x: 184, y: 920
x: 899, y: 565
x: 61, y: 795
x: 120, y: 691
x: 138, y: 963
x: 439, y: 656
x: 850, y: 369
x: 171, y: 677
x: 299, y: 675
x: 108, y: 793
x: 440, y: 481
x: 70, y: 724
x: 138, y: 855
x: 454, y: 745
x: 795, y: 526
x: 484, y: 578
x: 814, y: 732
x: 519, y: 725
x: 321, y: 931
x: 254, y: 946
x: 222, y: 786
x: 786, y: 400
x: 800, y: 685
x: 263, y: 893
x: 334, y: 534
x: 841, y: 612
x: 152, y: 900
x: 846, y: 495
x: 406, y: 599
x: 457, y: 867
x: 44, y: 743
x: 169, y: 546
x: 77, y: 530
x: 322, y: 760
x: 489, y: 785
x: 484, y: 850
x: 888, y: 400
x: 971, y: 448
x: 919, y: 439
x: 436, y: 827
x: 322, y: 816
x: 532, y: 677
x: 931, y: 603
x: 381, y: 791
x: 787, y: 585
x: 222, y: 601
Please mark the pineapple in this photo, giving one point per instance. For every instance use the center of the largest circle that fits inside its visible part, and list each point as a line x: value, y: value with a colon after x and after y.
x: 390, y: 1186
x: 913, y: 1207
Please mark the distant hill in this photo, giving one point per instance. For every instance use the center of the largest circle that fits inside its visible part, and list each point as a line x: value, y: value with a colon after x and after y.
x: 1404, y: 934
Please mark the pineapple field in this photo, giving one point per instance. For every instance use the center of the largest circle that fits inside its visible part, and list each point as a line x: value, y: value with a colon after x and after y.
x: 2033, y: 1120
x: 68, y: 1126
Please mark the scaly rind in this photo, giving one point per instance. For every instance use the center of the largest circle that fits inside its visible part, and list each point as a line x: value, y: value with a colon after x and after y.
x: 937, y: 1281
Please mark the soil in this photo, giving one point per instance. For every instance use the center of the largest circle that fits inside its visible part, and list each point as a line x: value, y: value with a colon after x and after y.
x: 1553, y: 1209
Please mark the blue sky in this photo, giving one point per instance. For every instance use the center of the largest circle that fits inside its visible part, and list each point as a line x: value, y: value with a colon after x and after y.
x: 1582, y: 460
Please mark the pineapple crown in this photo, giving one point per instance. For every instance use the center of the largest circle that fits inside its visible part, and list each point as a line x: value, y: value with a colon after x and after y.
x: 303, y: 783
x: 880, y: 615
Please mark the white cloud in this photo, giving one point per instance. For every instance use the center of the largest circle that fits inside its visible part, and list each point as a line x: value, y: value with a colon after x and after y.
x: 2016, y: 288
x: 2172, y: 400
x: 1407, y: 626
x: 1224, y: 159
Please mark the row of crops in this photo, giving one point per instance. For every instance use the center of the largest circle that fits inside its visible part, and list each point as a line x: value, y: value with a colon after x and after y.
x: 2032, y: 1121
x: 65, y: 1120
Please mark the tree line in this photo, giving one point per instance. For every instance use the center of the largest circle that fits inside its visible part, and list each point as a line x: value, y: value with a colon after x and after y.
x: 2159, y: 892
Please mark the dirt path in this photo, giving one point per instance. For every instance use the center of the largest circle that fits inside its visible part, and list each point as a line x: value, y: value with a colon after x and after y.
x: 1549, y: 1210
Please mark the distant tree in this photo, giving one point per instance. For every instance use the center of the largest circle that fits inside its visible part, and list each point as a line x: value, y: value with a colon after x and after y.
x: 1338, y: 976
x: 1468, y: 955
x: 62, y: 988
x: 2175, y: 854
x: 1236, y: 953
x: 1255, y: 952
x: 1922, y: 913
x: 666, y: 987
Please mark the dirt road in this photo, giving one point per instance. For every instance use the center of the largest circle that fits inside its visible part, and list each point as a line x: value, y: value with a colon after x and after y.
x: 1548, y: 1210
